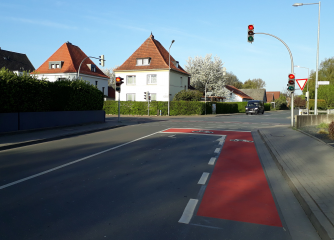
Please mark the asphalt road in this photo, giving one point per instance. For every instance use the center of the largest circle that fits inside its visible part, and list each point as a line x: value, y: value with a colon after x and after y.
x: 135, y: 183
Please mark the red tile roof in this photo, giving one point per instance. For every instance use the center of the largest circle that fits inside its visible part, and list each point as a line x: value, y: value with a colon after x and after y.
x: 153, y: 49
x: 237, y: 92
x: 276, y: 94
x: 270, y: 97
x: 72, y: 56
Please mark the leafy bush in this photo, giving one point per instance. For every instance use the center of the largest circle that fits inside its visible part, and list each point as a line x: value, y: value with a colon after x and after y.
x: 280, y: 103
x: 321, y: 104
x: 26, y: 93
x: 188, y: 95
x: 267, y: 106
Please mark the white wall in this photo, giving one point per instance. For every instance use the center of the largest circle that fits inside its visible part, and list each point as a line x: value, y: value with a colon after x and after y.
x: 233, y: 98
x: 161, y: 88
x: 101, y: 82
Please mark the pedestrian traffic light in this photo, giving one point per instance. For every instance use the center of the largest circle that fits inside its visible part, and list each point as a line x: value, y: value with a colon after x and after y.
x: 101, y: 60
x: 250, y: 31
x: 291, y: 82
x: 119, y: 82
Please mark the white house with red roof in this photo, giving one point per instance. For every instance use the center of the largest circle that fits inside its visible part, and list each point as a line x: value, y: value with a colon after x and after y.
x: 64, y: 64
x: 147, y: 69
x: 236, y: 95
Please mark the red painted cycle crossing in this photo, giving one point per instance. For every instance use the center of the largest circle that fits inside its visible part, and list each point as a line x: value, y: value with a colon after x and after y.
x: 238, y: 189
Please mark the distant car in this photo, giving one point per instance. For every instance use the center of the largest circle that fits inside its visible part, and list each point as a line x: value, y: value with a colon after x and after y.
x: 254, y: 106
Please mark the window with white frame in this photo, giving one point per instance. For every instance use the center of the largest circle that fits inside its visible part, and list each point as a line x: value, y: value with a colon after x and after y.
x: 153, y: 96
x: 131, y: 80
x: 130, y: 97
x: 151, y: 79
x: 143, y: 61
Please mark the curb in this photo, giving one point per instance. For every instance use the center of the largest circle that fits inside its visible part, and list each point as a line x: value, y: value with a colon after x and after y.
x: 32, y: 142
x: 314, y: 137
x: 318, y: 219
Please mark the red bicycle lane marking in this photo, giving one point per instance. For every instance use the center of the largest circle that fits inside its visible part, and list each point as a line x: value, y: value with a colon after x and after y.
x: 238, y: 189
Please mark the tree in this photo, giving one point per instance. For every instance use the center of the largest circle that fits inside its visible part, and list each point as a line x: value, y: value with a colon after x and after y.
x: 204, y: 70
x: 299, y: 101
x: 326, y: 73
x: 111, y: 74
x: 233, y: 80
x: 256, y: 83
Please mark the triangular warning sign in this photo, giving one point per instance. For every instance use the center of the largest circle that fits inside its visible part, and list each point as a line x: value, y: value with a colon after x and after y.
x: 301, y: 83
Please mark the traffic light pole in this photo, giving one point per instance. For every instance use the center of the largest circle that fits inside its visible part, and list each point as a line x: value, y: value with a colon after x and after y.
x: 292, y: 71
x: 119, y: 105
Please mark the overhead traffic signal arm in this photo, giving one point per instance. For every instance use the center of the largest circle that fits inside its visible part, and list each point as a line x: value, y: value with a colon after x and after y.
x: 101, y: 60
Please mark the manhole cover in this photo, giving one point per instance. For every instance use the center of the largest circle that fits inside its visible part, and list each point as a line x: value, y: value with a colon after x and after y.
x: 240, y: 140
x: 201, y: 131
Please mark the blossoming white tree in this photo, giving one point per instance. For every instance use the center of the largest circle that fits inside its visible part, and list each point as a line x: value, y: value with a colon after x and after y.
x: 207, y: 71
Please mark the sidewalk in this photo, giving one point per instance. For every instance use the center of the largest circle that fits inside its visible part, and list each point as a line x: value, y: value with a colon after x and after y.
x: 308, y: 166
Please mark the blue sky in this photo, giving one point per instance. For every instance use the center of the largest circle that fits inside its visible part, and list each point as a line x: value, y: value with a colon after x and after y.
x: 117, y: 28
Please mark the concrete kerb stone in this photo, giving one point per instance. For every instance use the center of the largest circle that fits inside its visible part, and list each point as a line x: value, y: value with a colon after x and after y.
x: 314, y: 213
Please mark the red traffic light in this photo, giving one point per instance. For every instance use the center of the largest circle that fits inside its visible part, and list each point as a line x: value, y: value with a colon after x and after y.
x: 118, y: 79
x: 291, y: 76
x: 250, y: 27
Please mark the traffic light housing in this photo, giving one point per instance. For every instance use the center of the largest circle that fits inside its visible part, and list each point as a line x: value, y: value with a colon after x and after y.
x: 119, y: 82
x: 291, y: 82
x: 250, y: 32
x: 145, y: 95
x: 101, y: 60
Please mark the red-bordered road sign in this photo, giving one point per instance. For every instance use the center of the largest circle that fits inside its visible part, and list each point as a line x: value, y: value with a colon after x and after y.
x: 301, y: 83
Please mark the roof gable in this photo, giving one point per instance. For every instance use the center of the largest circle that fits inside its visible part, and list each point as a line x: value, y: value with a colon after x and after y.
x: 153, y: 49
x: 71, y: 56
x: 276, y: 94
x: 256, y: 94
x: 237, y: 92
x: 14, y: 61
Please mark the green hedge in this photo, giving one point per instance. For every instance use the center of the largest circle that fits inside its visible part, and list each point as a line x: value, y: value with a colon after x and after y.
x: 176, y: 108
x: 267, y: 106
x: 26, y: 93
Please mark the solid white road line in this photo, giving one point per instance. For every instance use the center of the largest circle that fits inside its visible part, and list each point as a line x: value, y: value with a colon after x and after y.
x: 188, y: 211
x: 70, y: 163
x: 203, y: 179
x: 217, y: 150
x: 212, y: 161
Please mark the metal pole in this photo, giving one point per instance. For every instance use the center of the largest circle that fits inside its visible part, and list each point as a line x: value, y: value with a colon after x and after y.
x: 119, y: 103
x: 148, y: 103
x: 316, y: 74
x: 292, y: 71
x: 308, y: 95
x: 83, y: 61
x: 205, y: 97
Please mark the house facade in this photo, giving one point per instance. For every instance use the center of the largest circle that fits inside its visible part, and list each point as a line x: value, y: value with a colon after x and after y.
x: 65, y: 63
x: 235, y: 95
x: 15, y: 62
x: 147, y: 70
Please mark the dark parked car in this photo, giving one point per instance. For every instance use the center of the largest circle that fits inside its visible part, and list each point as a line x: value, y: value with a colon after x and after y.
x: 254, y: 106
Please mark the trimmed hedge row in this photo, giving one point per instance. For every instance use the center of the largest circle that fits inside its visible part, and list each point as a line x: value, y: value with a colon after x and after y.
x: 26, y: 93
x: 321, y: 104
x: 267, y: 106
x: 176, y: 108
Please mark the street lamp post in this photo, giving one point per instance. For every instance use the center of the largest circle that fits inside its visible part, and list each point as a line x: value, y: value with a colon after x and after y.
x: 308, y: 95
x: 316, y: 74
x: 169, y: 75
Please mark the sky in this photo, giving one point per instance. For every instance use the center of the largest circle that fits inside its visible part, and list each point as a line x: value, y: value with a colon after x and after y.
x: 117, y: 28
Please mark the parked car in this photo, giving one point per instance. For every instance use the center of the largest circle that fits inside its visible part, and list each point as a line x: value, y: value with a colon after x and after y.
x: 254, y: 106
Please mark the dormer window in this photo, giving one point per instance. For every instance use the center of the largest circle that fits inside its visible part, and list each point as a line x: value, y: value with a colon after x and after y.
x: 55, y: 64
x: 143, y: 61
x: 176, y: 64
x: 92, y: 67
